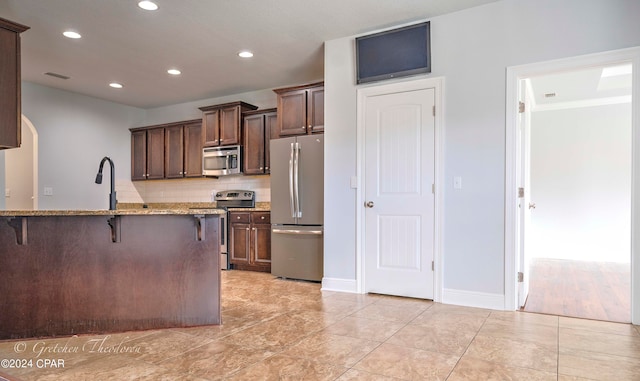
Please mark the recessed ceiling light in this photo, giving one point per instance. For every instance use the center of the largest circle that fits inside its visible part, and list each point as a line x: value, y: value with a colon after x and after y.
x: 116, y: 85
x: 174, y: 72
x: 148, y: 5
x: 245, y: 54
x: 71, y: 34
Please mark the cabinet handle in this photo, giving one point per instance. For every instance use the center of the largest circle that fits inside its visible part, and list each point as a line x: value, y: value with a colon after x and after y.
x: 303, y: 127
x: 262, y: 218
x: 261, y: 168
x: 310, y: 126
x: 254, y: 229
x: 247, y: 229
x: 238, y: 217
x: 267, y: 168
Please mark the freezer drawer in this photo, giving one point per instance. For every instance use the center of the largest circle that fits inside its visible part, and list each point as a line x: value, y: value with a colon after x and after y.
x: 297, y: 252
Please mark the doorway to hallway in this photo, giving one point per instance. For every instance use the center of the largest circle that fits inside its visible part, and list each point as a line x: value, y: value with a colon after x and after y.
x: 570, y: 217
x: 580, y: 193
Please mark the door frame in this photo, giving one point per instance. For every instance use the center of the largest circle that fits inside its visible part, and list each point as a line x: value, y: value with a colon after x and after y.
x: 513, y: 75
x: 436, y: 83
x: 27, y: 125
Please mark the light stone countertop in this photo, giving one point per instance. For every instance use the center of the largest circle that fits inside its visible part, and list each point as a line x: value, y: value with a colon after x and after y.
x: 138, y: 209
x: 119, y: 212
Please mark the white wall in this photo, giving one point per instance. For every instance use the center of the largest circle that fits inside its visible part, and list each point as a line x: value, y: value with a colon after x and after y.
x: 472, y: 50
x: 581, y: 183
x: 75, y: 132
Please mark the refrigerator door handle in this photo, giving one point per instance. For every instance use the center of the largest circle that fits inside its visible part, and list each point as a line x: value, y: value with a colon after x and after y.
x: 291, y: 202
x: 294, y: 231
x: 296, y: 176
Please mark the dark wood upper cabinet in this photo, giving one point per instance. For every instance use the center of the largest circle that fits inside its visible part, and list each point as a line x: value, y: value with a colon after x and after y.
x: 300, y: 110
x: 193, y: 149
x: 257, y: 126
x: 315, y: 109
x: 155, y: 153
x: 147, y: 154
x: 139, y: 155
x: 174, y: 152
x: 167, y: 151
x: 10, y: 111
x: 221, y: 123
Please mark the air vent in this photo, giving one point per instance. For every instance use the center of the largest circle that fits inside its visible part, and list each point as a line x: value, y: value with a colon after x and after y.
x: 550, y: 95
x: 56, y: 75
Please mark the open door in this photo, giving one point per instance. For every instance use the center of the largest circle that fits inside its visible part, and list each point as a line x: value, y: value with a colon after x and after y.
x: 525, y: 205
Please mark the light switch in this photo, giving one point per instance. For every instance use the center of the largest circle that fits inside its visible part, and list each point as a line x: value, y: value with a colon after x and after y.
x: 7, y: 192
x: 457, y: 182
x: 48, y: 191
x: 354, y: 182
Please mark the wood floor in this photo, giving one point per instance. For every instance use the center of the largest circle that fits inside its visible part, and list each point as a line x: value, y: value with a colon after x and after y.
x: 591, y: 290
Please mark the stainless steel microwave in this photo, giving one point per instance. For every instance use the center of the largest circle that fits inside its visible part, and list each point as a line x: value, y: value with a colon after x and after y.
x: 220, y: 161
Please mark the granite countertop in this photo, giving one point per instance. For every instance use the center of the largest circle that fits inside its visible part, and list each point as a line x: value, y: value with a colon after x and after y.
x: 119, y: 212
x: 138, y: 209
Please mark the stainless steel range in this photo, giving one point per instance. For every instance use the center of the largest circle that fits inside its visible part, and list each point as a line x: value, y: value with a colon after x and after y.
x: 225, y: 200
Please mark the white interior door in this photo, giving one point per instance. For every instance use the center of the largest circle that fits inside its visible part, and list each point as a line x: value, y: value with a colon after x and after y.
x: 525, y: 205
x: 398, y: 193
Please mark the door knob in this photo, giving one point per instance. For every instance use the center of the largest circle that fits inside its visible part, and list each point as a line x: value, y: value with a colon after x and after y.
x: 532, y: 205
x: 369, y: 204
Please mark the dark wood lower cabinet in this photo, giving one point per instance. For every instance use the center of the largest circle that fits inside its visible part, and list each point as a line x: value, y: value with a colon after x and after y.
x: 250, y: 240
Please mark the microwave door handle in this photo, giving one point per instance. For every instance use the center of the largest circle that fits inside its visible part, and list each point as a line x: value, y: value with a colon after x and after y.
x: 291, y: 202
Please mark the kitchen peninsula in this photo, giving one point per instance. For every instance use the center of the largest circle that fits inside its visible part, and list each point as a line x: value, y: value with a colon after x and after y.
x: 75, y: 272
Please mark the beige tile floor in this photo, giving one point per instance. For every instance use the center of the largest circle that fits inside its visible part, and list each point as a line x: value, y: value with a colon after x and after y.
x: 287, y: 330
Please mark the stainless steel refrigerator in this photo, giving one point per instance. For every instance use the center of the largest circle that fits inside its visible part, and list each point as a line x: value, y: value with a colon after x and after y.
x: 297, y: 203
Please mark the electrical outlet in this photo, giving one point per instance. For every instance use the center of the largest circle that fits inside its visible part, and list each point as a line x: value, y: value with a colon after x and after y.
x: 48, y: 191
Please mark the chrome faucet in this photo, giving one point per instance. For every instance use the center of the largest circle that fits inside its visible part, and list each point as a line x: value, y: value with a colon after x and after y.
x: 112, y: 195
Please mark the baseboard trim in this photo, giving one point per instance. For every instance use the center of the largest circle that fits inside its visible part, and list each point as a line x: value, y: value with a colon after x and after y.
x: 473, y: 299
x: 340, y: 285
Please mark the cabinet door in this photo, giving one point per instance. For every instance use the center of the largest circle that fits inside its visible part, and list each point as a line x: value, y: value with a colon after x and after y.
x: 174, y: 152
x: 10, y: 112
x: 230, y: 126
x: 155, y: 153
x: 211, y: 128
x: 193, y: 150
x: 261, y: 254
x: 270, y: 129
x: 254, y: 141
x: 239, y: 240
x: 315, y: 109
x: 292, y: 109
x: 139, y: 155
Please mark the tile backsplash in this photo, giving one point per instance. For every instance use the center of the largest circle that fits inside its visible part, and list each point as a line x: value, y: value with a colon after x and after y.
x: 190, y: 190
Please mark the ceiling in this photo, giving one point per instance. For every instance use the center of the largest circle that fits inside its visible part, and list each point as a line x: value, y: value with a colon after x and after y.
x: 582, y: 87
x: 123, y: 43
